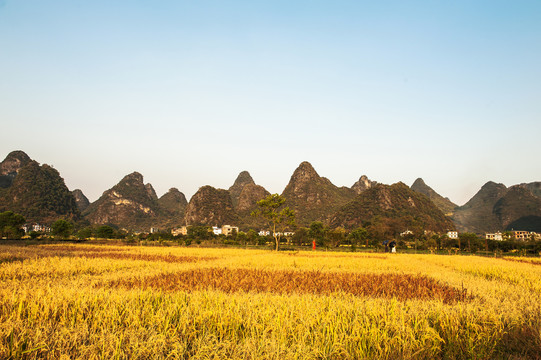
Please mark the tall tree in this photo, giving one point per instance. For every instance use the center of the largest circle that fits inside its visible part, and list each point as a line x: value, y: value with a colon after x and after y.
x: 318, y: 232
x: 358, y: 235
x: 278, y: 217
x: 10, y: 224
x: 105, y: 232
x: 62, y: 228
x: 469, y: 239
x: 337, y: 236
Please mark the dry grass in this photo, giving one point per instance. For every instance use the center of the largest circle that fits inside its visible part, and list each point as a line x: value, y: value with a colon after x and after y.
x: 399, y: 286
x: 526, y: 260
x: 147, y: 257
x: 339, y: 255
x: 95, y: 252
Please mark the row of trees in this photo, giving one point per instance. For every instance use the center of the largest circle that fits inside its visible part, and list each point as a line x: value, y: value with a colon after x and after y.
x: 11, y: 227
x: 279, y: 219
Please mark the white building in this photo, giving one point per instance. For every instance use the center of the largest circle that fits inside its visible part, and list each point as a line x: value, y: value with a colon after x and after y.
x: 217, y: 230
x: 495, y: 236
x: 452, y: 234
x: 38, y: 228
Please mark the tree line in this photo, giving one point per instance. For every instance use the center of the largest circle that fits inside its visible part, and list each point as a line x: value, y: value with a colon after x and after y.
x: 369, y: 237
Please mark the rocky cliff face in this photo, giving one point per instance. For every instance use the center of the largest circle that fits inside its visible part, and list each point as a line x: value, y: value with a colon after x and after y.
x: 444, y: 204
x: 244, y: 196
x: 518, y: 209
x: 362, y: 184
x: 173, y: 206
x: 151, y: 192
x: 80, y: 199
x: 393, y: 207
x: 534, y: 188
x: 496, y: 208
x: 134, y: 205
x: 130, y: 204
x: 235, y: 190
x: 477, y: 215
x: 248, y: 199
x: 314, y: 197
x: 11, y: 166
x: 38, y: 193
x: 210, y: 206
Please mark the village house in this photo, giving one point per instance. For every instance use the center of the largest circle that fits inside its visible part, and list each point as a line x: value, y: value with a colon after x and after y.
x: 526, y: 235
x: 495, y: 236
x: 37, y: 228
x: 229, y: 230
x: 280, y: 234
x: 452, y: 234
x: 183, y: 230
x: 226, y: 230
x: 217, y: 230
x: 521, y: 235
x: 407, y: 232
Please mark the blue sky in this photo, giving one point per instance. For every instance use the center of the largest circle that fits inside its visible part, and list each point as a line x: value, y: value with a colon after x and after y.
x: 190, y: 93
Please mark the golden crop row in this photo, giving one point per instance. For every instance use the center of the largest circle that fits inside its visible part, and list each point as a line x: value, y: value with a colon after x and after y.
x: 399, y: 286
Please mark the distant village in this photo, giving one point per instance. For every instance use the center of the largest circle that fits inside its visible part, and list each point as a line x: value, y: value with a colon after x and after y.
x: 226, y: 230
x: 229, y: 230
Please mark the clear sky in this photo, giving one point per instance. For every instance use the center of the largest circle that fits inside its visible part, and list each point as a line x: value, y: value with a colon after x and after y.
x: 190, y: 93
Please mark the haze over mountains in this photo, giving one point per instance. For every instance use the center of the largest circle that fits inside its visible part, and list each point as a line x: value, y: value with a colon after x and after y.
x: 39, y: 193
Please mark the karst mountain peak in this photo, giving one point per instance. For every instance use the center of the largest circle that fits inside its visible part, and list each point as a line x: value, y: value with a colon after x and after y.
x: 364, y: 183
x: 243, y: 179
x: 304, y: 172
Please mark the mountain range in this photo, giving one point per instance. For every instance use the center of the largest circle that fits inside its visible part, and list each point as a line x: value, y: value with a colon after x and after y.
x: 39, y: 193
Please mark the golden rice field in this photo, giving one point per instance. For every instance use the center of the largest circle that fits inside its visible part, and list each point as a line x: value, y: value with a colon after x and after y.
x: 130, y: 302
